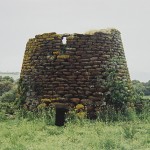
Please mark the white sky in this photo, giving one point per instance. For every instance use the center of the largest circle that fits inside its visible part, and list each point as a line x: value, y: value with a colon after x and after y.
x: 23, y: 19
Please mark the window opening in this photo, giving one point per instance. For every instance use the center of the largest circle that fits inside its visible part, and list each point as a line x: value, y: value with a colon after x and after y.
x: 64, y: 40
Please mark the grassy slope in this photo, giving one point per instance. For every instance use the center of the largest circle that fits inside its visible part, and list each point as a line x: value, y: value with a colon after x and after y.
x: 36, y: 135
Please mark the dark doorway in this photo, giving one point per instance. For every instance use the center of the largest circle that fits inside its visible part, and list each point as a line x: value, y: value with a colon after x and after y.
x: 60, y: 116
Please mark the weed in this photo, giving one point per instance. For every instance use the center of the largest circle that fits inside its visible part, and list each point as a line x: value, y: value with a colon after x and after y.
x: 129, y: 131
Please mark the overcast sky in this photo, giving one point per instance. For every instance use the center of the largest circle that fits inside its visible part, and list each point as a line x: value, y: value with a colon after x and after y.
x: 23, y: 19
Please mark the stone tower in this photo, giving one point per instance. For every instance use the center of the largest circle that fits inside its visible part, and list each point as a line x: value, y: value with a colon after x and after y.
x: 73, y: 72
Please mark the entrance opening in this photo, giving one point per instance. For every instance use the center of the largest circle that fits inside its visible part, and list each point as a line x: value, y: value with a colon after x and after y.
x: 60, y: 116
x: 91, y: 114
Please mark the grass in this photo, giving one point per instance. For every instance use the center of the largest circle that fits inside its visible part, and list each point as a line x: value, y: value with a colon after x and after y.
x: 81, y: 135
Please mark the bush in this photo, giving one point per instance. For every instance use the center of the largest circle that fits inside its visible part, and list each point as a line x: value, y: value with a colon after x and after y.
x: 9, y: 96
x: 8, y: 92
x: 6, y: 84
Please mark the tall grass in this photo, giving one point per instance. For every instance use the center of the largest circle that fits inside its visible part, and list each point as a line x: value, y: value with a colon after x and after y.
x: 27, y: 131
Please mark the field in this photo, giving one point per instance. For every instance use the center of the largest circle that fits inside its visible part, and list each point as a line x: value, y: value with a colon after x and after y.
x: 82, y: 135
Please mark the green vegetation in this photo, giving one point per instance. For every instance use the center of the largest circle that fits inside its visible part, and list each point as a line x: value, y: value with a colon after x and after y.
x: 8, y: 94
x: 113, y: 130
x: 23, y: 134
x: 146, y: 97
x: 14, y: 75
x: 142, y: 87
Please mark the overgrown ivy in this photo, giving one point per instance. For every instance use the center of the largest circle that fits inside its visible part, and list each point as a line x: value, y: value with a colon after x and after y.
x: 119, y: 91
x: 22, y: 90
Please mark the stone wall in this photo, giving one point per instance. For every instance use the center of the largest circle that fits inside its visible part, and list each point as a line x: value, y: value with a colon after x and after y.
x: 71, y: 73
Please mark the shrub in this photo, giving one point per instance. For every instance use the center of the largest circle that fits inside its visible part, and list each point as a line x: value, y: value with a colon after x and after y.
x: 8, y: 92
x: 9, y: 96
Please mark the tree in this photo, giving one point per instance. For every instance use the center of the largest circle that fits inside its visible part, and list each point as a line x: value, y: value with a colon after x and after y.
x: 8, y: 91
x: 138, y: 87
x: 5, y: 86
x: 147, y: 88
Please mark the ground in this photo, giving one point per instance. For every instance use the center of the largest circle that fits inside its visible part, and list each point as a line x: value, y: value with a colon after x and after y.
x: 82, y: 135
